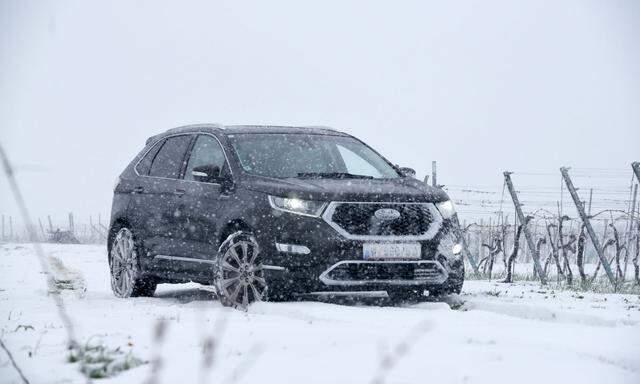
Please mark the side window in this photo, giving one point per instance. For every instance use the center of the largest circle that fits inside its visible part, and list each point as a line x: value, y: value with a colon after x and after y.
x: 145, y: 164
x: 207, y: 160
x: 169, y: 161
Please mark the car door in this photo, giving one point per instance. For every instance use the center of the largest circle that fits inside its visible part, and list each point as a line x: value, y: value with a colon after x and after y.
x: 200, y: 206
x: 162, y: 192
x: 140, y: 212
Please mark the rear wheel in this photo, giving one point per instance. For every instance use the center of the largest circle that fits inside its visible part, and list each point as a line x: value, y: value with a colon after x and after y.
x: 127, y: 279
x: 239, y: 277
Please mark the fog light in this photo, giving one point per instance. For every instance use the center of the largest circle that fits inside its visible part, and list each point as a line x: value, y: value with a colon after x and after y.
x: 292, y: 248
x: 456, y: 249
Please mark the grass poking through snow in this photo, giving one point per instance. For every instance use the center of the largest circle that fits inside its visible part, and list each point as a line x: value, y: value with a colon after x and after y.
x: 100, y: 361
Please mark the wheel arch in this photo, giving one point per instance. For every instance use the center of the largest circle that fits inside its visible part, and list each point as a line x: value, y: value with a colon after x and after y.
x: 232, y: 227
x: 113, y: 230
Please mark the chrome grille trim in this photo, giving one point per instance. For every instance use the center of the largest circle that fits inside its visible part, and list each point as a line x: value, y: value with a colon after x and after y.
x: 434, y: 227
x: 433, y: 278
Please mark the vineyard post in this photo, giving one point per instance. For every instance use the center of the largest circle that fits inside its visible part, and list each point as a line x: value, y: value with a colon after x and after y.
x: 636, y: 169
x: 72, y: 227
x: 465, y: 248
x: 480, y: 238
x: 433, y: 174
x: 525, y: 227
x: 629, y: 236
x: 585, y: 220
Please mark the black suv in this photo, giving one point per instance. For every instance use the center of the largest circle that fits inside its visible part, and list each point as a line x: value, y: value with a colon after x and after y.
x: 270, y: 213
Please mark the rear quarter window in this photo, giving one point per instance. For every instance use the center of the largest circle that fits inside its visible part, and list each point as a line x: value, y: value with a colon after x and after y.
x: 170, y: 159
x: 144, y: 165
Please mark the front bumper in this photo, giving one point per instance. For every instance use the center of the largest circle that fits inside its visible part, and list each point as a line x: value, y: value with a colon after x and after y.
x: 335, y: 263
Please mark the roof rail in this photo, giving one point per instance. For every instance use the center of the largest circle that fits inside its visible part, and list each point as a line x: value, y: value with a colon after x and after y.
x: 184, y: 128
x: 321, y: 127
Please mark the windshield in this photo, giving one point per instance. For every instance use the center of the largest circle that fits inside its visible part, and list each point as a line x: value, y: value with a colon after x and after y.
x: 309, y: 156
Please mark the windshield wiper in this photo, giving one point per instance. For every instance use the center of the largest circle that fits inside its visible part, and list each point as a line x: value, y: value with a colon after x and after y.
x: 332, y: 175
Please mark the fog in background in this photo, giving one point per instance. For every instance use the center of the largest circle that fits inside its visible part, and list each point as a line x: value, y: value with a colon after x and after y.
x: 479, y: 86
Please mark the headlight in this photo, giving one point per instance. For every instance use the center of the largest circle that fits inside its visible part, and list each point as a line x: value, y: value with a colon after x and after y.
x: 297, y: 206
x: 446, y: 209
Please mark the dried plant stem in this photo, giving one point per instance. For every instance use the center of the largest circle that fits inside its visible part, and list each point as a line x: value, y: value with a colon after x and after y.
x: 46, y: 268
x: 13, y: 362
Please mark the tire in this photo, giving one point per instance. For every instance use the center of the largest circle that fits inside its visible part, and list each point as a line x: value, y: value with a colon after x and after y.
x: 239, y: 277
x: 127, y: 279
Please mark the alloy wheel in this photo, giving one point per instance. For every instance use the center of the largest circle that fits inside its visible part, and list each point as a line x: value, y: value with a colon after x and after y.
x: 241, y: 276
x: 124, y: 265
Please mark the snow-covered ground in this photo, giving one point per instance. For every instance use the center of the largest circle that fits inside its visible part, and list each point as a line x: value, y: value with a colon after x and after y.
x: 492, y: 333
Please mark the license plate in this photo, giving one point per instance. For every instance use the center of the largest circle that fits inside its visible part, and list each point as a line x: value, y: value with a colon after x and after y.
x: 381, y: 251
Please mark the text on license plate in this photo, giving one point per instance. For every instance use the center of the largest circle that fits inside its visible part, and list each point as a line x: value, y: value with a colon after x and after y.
x: 379, y: 251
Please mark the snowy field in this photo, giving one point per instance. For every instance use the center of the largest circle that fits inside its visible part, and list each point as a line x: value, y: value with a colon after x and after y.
x: 492, y: 333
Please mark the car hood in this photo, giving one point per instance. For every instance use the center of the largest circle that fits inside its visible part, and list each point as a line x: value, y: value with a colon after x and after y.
x: 396, y: 190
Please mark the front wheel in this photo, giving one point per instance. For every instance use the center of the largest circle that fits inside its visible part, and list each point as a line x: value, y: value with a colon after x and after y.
x: 239, y: 276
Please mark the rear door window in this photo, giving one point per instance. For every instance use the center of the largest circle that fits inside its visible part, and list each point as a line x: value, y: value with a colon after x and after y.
x: 169, y: 161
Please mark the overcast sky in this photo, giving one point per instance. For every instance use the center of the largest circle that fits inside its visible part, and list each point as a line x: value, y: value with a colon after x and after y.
x: 479, y: 86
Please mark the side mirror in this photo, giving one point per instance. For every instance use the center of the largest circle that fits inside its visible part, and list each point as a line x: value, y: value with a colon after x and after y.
x: 408, y: 172
x: 206, y: 173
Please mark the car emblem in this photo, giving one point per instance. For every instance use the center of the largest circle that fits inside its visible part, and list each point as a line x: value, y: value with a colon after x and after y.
x: 387, y: 214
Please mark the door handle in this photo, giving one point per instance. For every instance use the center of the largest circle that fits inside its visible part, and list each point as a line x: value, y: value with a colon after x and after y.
x: 179, y: 192
x: 138, y: 190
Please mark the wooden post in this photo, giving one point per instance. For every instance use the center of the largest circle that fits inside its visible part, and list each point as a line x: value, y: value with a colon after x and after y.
x: 525, y: 227
x: 50, y: 224
x: 585, y: 220
x: 72, y: 228
x: 11, y: 228
x: 465, y: 248
x: 433, y: 174
x: 480, y: 237
x: 636, y: 169
x: 630, y: 229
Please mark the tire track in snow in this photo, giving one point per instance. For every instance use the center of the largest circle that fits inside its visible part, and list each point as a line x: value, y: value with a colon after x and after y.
x: 66, y: 278
x: 540, y: 313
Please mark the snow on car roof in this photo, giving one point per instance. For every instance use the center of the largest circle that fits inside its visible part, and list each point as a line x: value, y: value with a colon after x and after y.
x: 281, y: 129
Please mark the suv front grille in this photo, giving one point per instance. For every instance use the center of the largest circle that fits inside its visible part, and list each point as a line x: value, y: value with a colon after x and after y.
x: 354, y: 220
